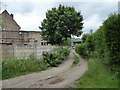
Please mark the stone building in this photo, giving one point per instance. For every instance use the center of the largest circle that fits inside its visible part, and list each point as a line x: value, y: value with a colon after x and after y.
x: 9, y: 28
x: 32, y: 37
x: 11, y: 35
x: 9, y: 32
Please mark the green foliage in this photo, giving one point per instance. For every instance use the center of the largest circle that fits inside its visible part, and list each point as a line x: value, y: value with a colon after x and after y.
x: 87, y: 47
x: 97, y: 76
x: 76, y: 61
x: 81, y: 49
x: 17, y: 67
x: 112, y: 33
x: 56, y: 56
x: 0, y: 70
x: 84, y: 37
x: 32, y: 57
x: 90, y: 44
x: 60, y: 23
x: 100, y: 48
x: 105, y: 43
x: 67, y: 42
x: 12, y: 68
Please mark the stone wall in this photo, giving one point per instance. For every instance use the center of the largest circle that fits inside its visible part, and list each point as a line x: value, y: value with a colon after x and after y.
x: 23, y: 51
x: 7, y: 51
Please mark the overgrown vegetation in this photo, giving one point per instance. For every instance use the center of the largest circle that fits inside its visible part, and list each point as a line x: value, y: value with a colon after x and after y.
x: 56, y: 56
x: 104, y: 45
x: 12, y: 68
x: 17, y: 67
x: 84, y: 37
x: 81, y: 49
x: 97, y: 76
x: 76, y: 61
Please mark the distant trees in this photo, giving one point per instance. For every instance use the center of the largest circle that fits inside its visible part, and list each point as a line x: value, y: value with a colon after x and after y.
x: 60, y: 23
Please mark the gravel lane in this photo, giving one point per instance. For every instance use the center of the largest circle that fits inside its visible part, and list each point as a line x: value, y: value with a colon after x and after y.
x: 58, y: 77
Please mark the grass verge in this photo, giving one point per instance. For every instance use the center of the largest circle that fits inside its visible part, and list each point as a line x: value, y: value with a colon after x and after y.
x: 12, y: 68
x: 76, y: 61
x: 97, y: 76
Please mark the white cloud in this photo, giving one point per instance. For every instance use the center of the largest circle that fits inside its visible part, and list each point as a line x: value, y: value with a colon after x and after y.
x: 29, y: 22
x: 30, y: 15
x: 92, y: 22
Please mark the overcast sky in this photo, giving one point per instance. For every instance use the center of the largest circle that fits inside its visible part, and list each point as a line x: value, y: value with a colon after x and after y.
x: 29, y: 14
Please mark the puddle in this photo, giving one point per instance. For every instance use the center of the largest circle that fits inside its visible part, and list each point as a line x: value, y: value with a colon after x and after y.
x: 58, y: 80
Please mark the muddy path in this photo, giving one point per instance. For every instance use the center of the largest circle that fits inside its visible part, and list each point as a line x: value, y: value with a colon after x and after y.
x: 58, y: 77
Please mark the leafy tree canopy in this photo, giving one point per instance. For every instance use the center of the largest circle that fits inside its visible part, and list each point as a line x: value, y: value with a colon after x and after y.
x: 60, y: 23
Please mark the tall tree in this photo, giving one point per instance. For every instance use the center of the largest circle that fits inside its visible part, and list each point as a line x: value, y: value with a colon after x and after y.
x: 60, y: 23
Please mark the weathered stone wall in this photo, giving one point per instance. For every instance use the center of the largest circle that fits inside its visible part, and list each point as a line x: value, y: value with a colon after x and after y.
x: 10, y: 28
x: 7, y: 51
x: 23, y: 51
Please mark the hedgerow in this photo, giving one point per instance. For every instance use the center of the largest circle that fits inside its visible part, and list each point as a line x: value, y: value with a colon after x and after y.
x: 81, y: 49
x: 112, y: 36
x: 105, y: 43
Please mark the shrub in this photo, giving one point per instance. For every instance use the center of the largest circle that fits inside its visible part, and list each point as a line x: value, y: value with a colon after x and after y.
x: 100, y: 48
x: 112, y: 36
x: 84, y: 37
x: 81, y: 49
x: 105, y: 43
x: 56, y: 56
x: 90, y: 43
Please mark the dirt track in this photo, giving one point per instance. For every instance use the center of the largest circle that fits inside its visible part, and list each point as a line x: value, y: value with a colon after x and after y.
x: 57, y: 77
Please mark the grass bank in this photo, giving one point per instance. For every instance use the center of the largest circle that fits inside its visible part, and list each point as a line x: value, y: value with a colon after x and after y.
x: 76, y: 61
x: 12, y: 68
x: 97, y: 76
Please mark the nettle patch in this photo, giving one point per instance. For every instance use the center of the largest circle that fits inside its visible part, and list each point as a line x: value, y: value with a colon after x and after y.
x: 56, y: 56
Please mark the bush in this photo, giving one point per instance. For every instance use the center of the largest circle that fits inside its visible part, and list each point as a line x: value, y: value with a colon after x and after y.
x: 105, y: 43
x: 100, y: 48
x: 56, y: 56
x: 84, y: 37
x: 90, y: 43
x: 112, y: 36
x: 81, y: 49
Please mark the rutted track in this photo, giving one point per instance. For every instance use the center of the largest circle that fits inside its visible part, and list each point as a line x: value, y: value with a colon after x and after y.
x: 58, y: 77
